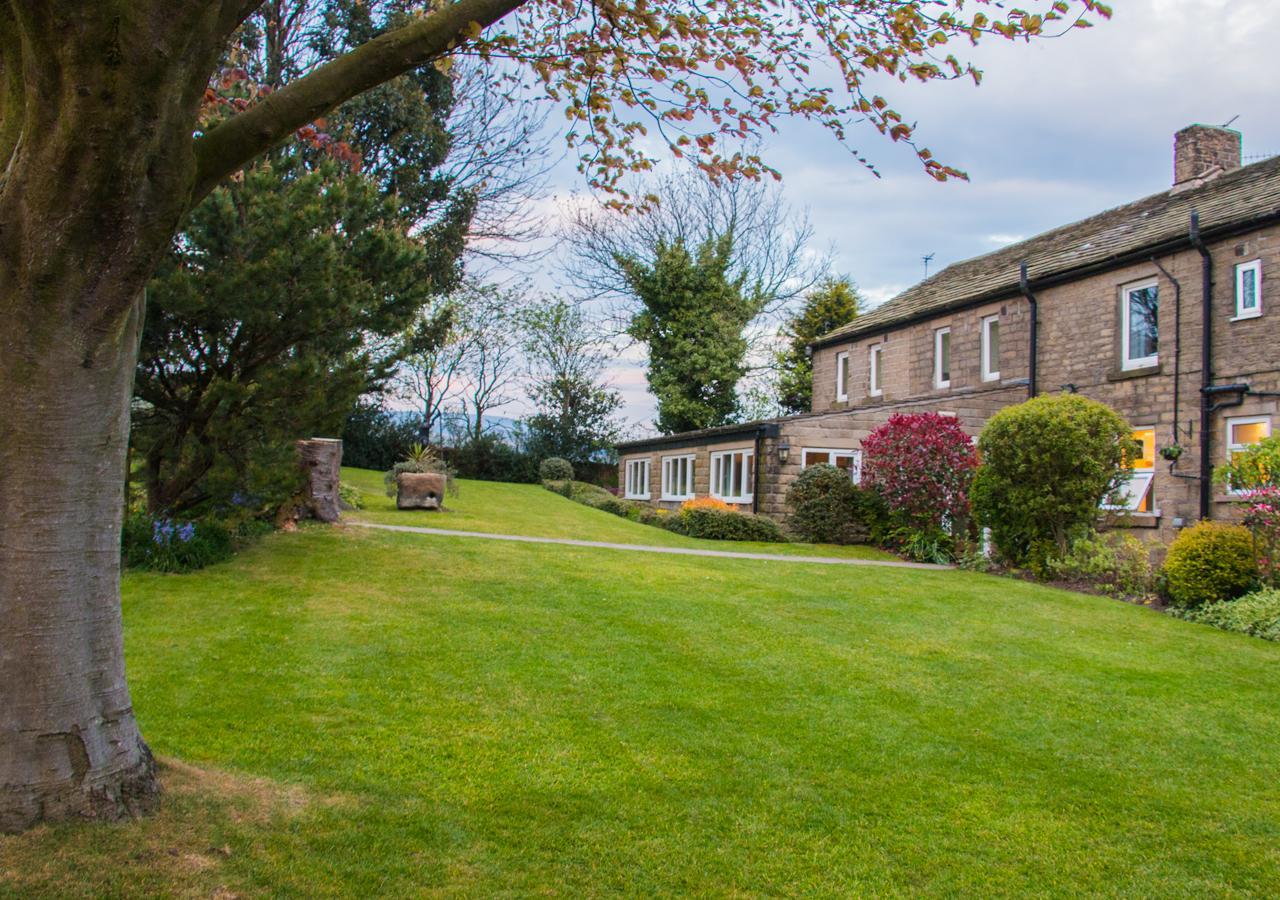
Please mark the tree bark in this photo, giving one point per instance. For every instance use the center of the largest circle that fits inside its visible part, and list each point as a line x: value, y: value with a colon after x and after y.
x: 71, y: 746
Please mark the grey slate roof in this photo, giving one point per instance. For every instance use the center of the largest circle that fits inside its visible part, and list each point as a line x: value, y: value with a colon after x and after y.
x: 1243, y: 195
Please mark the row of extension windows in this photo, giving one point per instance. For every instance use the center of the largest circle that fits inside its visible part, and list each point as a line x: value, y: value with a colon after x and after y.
x: 733, y: 475
x: 1139, y: 334
x: 1135, y: 495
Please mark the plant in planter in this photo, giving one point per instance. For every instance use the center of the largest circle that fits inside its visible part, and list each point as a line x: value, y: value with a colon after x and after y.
x: 420, y: 480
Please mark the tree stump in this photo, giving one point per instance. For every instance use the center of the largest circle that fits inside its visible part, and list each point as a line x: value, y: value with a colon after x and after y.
x: 321, y: 462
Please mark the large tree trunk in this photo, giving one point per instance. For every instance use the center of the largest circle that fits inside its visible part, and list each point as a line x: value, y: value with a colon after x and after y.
x: 96, y: 168
x: 70, y: 745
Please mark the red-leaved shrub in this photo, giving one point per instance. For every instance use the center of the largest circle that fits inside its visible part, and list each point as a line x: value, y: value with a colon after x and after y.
x: 922, y: 465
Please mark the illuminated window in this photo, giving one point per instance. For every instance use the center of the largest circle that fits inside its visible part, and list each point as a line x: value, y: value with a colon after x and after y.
x: 1140, y: 327
x: 637, y: 486
x: 677, y: 477
x: 1134, y: 495
x: 849, y: 460
x: 842, y: 376
x: 942, y: 358
x: 733, y: 474
x: 1244, y: 431
x: 877, y: 360
x: 1249, y: 289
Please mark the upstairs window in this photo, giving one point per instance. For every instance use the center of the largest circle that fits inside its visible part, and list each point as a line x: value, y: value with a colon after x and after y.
x: 942, y: 358
x: 637, y: 486
x: 849, y: 460
x: 1139, y: 328
x: 1135, y: 494
x: 677, y: 477
x: 733, y: 475
x: 877, y: 361
x: 1249, y: 289
x: 991, y: 348
x: 842, y: 376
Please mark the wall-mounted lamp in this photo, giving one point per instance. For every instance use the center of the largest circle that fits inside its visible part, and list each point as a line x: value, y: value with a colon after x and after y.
x: 784, y: 451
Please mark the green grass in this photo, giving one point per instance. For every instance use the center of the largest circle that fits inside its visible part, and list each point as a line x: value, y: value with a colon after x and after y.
x: 530, y: 509
x: 399, y: 715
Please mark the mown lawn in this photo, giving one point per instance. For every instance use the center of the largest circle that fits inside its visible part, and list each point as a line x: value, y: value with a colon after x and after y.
x: 362, y: 713
x: 530, y: 509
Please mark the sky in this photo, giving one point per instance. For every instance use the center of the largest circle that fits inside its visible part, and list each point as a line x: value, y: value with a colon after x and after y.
x: 1058, y: 130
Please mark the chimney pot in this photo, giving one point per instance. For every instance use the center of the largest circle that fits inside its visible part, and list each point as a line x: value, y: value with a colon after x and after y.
x: 1201, y: 152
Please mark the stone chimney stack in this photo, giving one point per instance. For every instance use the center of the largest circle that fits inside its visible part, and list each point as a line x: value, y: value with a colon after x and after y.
x: 1202, y: 152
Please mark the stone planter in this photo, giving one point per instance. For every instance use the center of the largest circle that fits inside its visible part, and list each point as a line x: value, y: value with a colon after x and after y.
x: 420, y: 490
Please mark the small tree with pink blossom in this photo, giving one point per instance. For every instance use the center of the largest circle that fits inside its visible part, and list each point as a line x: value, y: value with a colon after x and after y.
x: 922, y: 465
x: 1254, y: 474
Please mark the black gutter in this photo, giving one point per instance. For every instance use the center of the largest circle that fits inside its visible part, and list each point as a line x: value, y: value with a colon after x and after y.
x: 1142, y: 254
x: 1177, y: 345
x: 1025, y: 286
x: 693, y: 438
x: 1206, y: 367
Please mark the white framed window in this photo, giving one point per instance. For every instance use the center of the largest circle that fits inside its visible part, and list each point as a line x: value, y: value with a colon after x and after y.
x: 1135, y: 494
x: 876, y: 367
x: 1249, y: 289
x: 733, y: 475
x: 1245, y: 431
x: 849, y: 460
x: 677, y: 477
x: 842, y: 376
x: 991, y: 348
x: 942, y: 358
x: 637, y: 486
x: 1139, y: 325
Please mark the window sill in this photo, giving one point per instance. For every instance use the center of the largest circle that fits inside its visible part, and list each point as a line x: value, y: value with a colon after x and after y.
x: 1246, y: 317
x: 1118, y: 519
x: 667, y: 499
x: 1126, y: 374
x: 635, y: 496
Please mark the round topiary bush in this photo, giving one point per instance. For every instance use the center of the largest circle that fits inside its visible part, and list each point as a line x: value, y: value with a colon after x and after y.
x: 553, y: 468
x: 1047, y: 465
x: 1209, y: 563
x: 824, y: 507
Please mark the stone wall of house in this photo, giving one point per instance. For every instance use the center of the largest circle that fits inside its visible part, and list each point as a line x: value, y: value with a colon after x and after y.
x: 1079, y: 349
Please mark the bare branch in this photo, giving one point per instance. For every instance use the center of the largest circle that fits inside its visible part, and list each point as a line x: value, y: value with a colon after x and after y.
x: 234, y: 142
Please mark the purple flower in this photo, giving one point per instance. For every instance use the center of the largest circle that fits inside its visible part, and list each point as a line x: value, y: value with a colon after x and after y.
x: 187, y: 532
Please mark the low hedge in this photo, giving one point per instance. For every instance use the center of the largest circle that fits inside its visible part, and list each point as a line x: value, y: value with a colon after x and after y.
x: 694, y: 520
x: 1256, y: 614
x: 725, y: 525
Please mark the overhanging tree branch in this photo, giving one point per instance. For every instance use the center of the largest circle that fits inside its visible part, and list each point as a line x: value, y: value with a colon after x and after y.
x: 227, y: 147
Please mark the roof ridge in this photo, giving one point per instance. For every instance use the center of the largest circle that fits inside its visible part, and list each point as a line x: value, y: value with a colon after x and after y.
x: 1114, y: 229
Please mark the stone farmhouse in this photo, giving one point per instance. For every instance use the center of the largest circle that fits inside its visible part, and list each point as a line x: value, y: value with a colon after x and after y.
x: 1167, y: 309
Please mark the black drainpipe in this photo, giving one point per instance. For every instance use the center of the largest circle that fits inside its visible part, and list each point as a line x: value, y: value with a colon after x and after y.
x: 1035, y: 328
x: 1206, y: 368
x: 759, y: 461
x: 1177, y: 343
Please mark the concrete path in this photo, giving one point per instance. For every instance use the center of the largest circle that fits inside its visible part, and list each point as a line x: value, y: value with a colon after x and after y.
x: 644, y: 548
